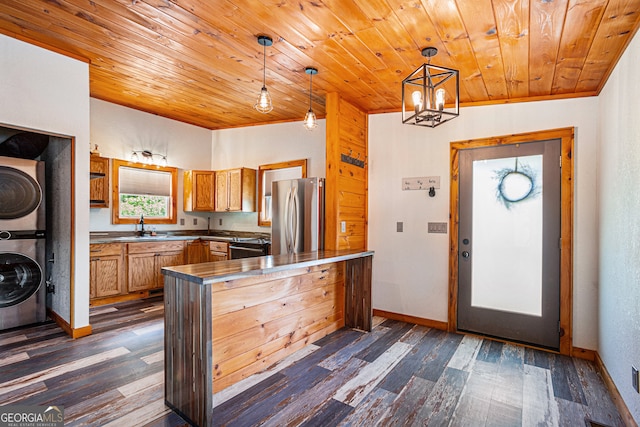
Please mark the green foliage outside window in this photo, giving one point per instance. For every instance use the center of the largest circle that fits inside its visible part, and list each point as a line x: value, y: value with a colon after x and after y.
x: 134, y: 205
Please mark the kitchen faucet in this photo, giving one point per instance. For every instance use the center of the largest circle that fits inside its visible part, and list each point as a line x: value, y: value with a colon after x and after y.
x: 141, y: 232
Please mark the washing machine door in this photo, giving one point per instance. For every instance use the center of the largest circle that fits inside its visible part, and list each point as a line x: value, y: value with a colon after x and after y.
x: 20, y: 193
x: 20, y: 277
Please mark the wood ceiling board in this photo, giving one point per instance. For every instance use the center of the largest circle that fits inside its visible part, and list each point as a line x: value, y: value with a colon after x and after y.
x: 418, y: 25
x: 452, y: 32
x: 512, y: 17
x: 612, y: 37
x: 198, y: 61
x: 483, y: 36
x: 581, y: 23
x: 545, y: 23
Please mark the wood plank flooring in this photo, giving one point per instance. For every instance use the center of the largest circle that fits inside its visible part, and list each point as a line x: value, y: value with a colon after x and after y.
x: 397, y: 375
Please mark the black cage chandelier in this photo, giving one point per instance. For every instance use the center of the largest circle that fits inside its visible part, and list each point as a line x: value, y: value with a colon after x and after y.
x: 431, y: 94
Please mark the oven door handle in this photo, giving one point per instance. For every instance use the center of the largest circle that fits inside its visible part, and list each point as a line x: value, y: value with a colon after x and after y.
x: 242, y: 248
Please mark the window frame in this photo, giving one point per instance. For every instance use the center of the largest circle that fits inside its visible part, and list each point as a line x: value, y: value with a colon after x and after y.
x: 116, y: 164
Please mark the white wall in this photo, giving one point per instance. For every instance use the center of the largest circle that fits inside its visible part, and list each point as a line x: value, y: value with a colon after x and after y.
x: 618, y: 208
x: 49, y: 93
x: 410, y: 271
x: 118, y: 130
x: 257, y: 145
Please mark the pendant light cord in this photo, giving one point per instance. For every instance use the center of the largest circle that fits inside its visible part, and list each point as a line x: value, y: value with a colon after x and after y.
x: 310, y: 88
x: 264, y: 66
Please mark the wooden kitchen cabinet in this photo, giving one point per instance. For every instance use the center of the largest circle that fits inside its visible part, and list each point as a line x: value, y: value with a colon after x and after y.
x: 199, y: 190
x: 146, y: 259
x: 106, y: 277
x: 235, y: 190
x: 98, y: 182
x: 218, y: 251
x: 197, y: 251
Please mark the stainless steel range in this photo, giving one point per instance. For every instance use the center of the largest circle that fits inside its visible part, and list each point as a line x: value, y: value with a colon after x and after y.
x: 247, y: 247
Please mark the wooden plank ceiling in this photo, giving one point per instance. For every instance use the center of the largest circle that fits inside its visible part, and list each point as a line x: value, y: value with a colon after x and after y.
x: 198, y: 61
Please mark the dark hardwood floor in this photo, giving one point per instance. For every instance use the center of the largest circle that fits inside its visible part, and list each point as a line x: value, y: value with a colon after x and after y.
x: 399, y: 374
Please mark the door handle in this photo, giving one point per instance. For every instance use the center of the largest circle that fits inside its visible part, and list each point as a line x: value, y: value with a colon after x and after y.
x: 465, y: 254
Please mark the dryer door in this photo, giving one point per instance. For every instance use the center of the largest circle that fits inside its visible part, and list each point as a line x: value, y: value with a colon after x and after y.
x: 20, y: 277
x: 20, y: 194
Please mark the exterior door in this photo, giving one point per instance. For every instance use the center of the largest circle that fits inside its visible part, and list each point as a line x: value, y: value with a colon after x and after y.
x: 509, y: 242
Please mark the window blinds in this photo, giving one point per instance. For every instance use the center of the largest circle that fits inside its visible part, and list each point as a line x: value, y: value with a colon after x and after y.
x: 144, y: 182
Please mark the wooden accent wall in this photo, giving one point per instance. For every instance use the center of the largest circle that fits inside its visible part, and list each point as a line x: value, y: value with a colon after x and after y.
x: 258, y: 321
x: 346, y: 184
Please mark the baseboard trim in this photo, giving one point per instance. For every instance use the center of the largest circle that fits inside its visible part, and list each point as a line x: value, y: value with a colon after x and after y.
x: 72, y: 332
x: 627, y: 418
x: 411, y: 319
x: 583, y: 353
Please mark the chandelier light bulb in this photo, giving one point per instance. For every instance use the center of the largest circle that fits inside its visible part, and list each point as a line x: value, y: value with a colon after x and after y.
x: 417, y: 100
x: 440, y: 94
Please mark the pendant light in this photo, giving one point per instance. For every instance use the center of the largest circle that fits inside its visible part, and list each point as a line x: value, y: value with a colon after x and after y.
x: 310, y: 121
x: 427, y: 88
x: 263, y: 104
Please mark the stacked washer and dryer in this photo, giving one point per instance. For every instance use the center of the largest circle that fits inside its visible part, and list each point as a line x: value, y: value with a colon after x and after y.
x: 22, y: 242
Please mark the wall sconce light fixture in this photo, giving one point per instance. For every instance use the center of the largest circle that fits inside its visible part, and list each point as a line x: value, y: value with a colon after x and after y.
x: 149, y: 158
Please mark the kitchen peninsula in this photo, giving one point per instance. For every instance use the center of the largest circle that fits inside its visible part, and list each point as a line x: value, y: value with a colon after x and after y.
x: 225, y: 321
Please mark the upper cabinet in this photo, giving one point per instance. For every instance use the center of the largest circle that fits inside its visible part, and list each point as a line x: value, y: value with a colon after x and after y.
x: 99, y: 181
x: 199, y: 191
x: 235, y: 190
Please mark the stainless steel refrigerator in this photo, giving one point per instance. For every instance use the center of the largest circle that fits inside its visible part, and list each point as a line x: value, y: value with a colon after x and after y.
x: 297, y: 223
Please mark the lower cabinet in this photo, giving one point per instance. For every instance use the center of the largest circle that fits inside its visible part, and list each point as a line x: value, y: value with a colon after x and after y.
x: 106, y: 270
x: 197, y: 251
x: 218, y: 251
x: 120, y: 271
x: 146, y: 259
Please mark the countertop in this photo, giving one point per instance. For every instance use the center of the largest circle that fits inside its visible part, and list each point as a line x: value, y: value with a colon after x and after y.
x: 220, y: 236
x: 221, y: 271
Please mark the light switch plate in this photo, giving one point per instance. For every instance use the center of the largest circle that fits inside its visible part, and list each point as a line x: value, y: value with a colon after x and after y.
x: 343, y: 226
x: 399, y: 226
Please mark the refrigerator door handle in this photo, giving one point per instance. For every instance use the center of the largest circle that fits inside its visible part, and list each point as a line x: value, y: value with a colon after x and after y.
x: 294, y: 221
x: 287, y: 221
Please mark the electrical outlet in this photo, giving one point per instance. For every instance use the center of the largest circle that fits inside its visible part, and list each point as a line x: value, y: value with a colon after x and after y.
x: 220, y: 221
x: 195, y: 221
x: 634, y: 379
x: 437, y: 227
x: 181, y: 221
x: 343, y: 226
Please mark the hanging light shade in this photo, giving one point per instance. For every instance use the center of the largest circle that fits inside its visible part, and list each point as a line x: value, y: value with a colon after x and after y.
x: 310, y: 121
x: 431, y: 94
x: 263, y: 104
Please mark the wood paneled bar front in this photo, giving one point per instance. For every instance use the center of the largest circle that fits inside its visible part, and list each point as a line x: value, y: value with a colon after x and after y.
x: 227, y: 320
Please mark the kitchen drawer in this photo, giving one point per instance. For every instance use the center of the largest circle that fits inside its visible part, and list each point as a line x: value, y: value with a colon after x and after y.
x: 105, y: 249
x: 218, y: 246
x: 144, y: 247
